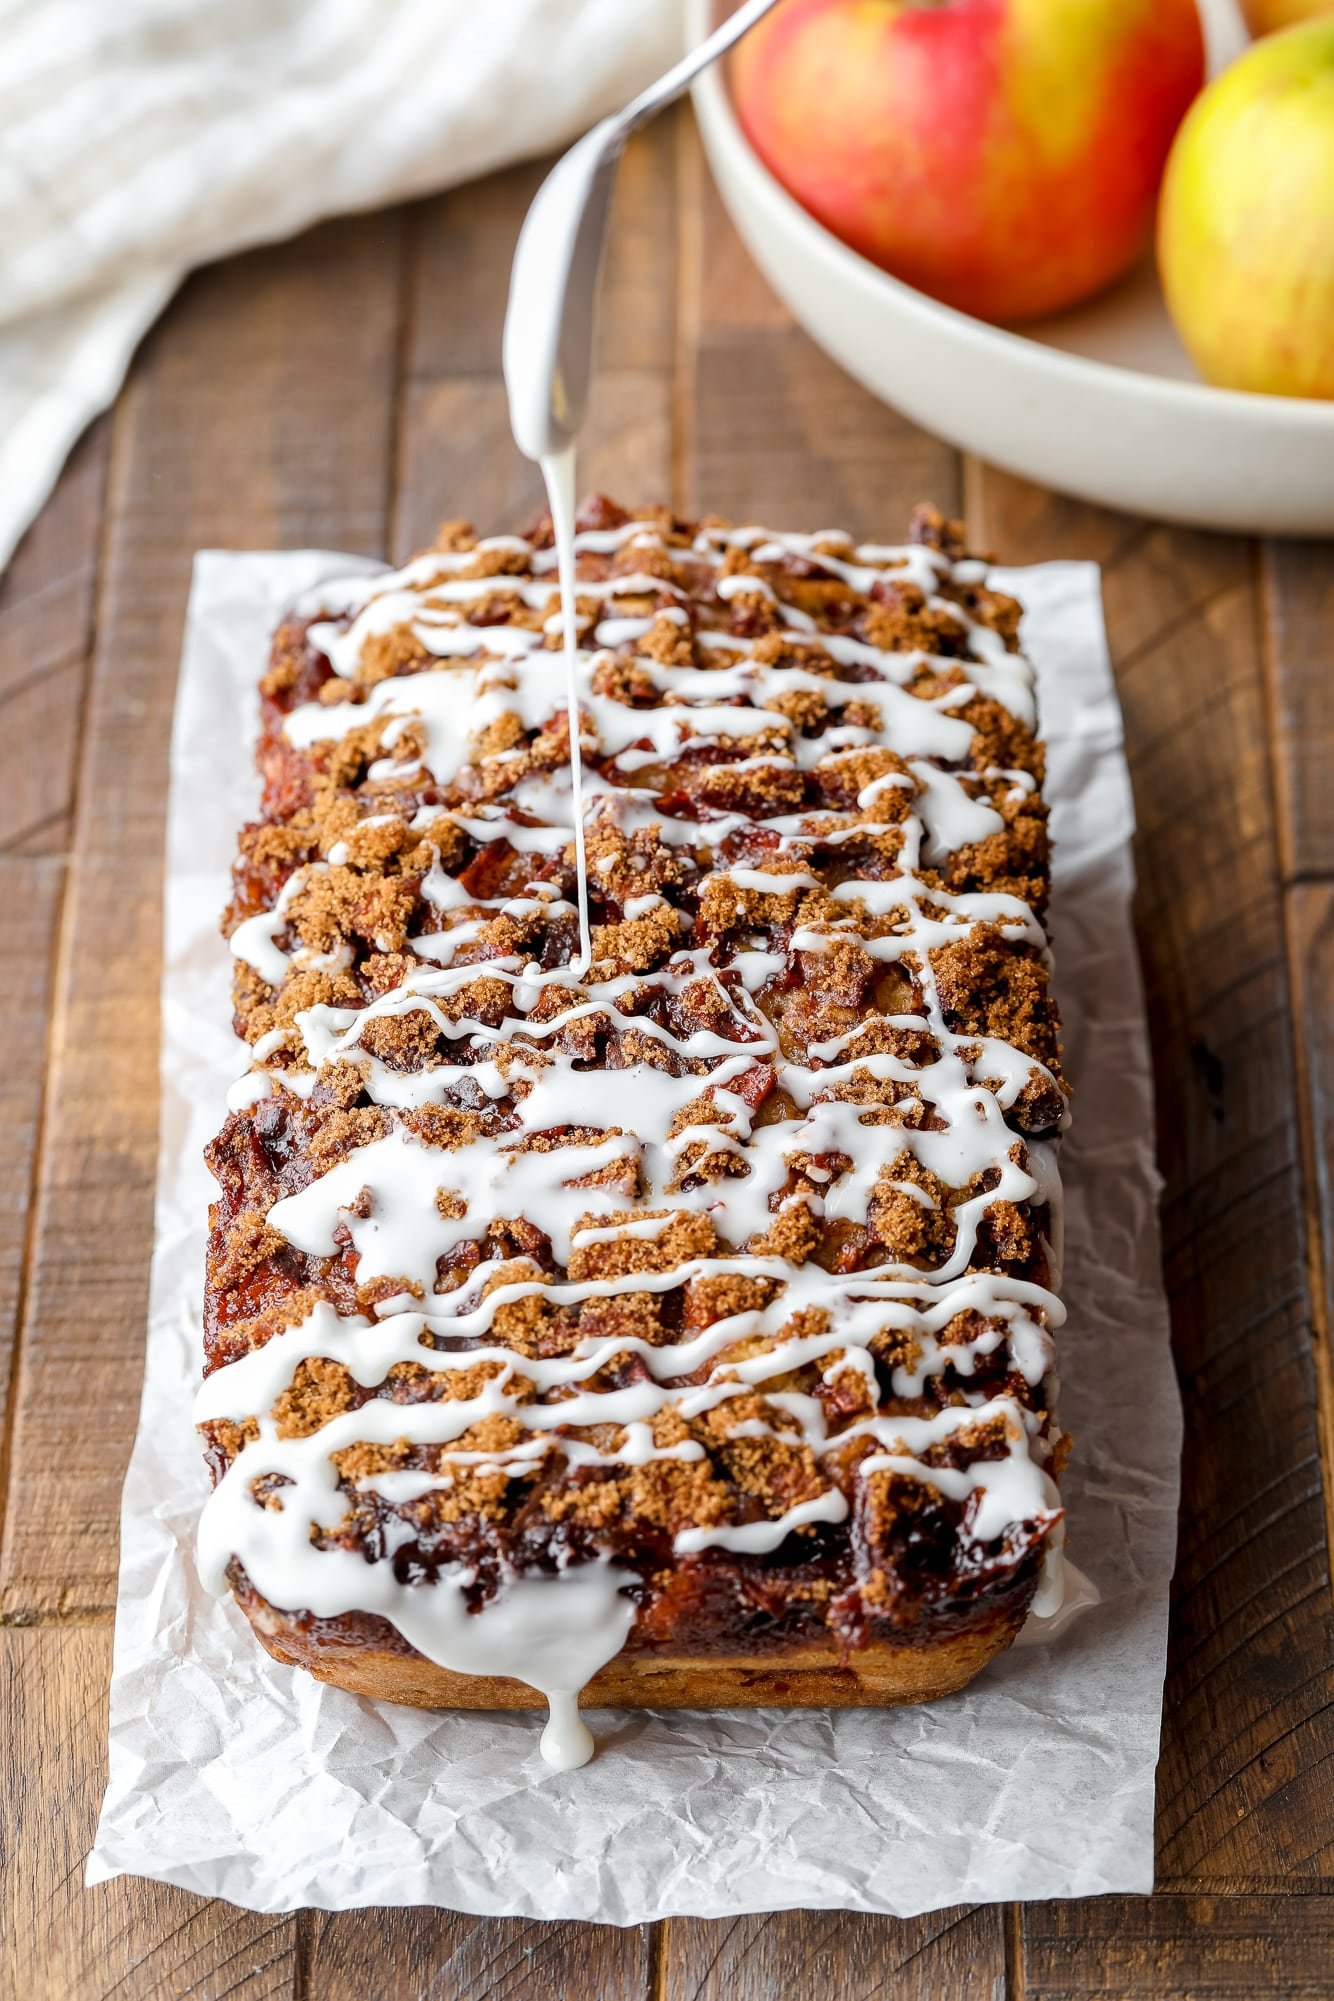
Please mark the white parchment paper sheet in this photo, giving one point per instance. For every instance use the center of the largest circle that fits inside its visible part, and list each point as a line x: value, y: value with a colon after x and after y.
x: 241, y: 1779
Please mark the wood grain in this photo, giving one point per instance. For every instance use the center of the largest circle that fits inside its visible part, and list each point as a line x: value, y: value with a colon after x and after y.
x: 1179, y: 1949
x: 454, y: 453
x: 47, y: 592
x: 1299, y: 580
x: 31, y: 890
x: 442, y: 1956
x: 959, y: 1953
x: 1309, y: 910
x: 58, y: 1941
x: 774, y: 430
x: 1299, y: 597
x: 451, y: 463
x: 46, y: 625
x: 46, y: 622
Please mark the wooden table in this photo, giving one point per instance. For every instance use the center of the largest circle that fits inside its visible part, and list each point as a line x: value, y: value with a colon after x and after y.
x: 344, y: 390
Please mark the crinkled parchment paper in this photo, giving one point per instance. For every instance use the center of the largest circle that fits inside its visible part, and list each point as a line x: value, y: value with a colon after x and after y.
x: 236, y: 1777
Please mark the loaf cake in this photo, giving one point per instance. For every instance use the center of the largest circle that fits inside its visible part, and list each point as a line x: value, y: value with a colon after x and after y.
x: 666, y: 1319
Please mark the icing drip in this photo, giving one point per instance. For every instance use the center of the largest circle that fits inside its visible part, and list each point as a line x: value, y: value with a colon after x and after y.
x: 558, y: 474
x: 567, y: 1742
x: 904, y: 1106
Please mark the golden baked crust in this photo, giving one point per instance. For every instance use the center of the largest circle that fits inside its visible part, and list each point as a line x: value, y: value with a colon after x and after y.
x: 879, y: 1676
x: 772, y: 1179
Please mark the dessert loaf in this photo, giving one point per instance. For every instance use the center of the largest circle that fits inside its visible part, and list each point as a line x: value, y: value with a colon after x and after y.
x: 674, y: 1327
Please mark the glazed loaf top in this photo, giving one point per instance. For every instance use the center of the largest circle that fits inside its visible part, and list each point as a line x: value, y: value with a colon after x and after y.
x: 695, y: 1290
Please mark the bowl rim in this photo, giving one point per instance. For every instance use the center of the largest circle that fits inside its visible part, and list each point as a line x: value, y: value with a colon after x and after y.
x: 718, y: 115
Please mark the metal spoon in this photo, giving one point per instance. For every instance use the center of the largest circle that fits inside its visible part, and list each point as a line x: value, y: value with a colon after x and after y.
x: 549, y: 323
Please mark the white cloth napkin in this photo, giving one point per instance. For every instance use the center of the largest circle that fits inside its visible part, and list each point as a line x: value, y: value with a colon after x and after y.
x: 139, y: 138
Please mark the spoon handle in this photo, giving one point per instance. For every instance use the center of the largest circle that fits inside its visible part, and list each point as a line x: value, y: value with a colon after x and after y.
x: 549, y: 324
x: 675, y: 81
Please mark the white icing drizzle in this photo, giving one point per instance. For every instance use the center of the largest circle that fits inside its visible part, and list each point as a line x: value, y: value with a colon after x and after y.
x: 558, y: 474
x: 406, y: 1204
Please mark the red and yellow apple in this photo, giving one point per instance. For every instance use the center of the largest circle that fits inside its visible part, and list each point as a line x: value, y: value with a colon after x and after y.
x: 1266, y: 17
x: 1246, y: 227
x: 1002, y: 155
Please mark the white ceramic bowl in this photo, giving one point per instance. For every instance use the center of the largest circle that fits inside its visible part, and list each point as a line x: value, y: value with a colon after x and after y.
x: 1101, y: 402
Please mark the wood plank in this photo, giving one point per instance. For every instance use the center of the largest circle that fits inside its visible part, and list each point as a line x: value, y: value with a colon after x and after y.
x: 40, y: 717
x: 455, y: 454
x: 783, y: 436
x: 845, y: 1955
x: 46, y: 612
x: 58, y: 1941
x: 1310, y: 927
x: 772, y: 430
x: 1299, y: 599
x: 30, y: 899
x: 463, y: 248
x: 420, y: 1955
x: 1299, y: 593
x: 238, y: 428
x: 1248, y: 1728
x: 464, y: 245
x: 30, y: 893
x: 740, y: 297
x: 637, y: 327
x: 46, y: 594
x: 1179, y: 1949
